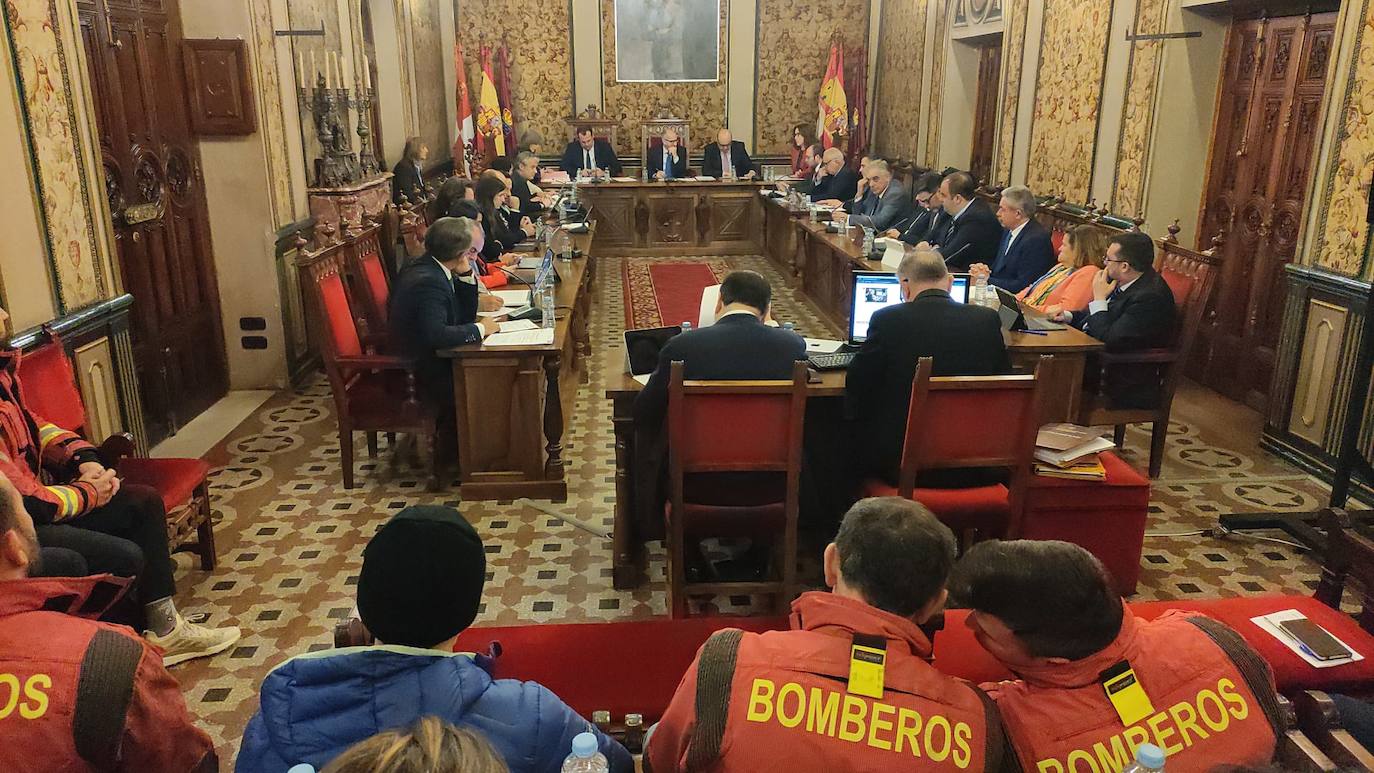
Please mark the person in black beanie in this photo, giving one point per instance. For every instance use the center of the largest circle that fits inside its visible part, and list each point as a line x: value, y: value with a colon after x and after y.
x: 420, y: 586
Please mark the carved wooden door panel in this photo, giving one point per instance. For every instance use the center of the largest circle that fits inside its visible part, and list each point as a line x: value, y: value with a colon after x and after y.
x: 157, y: 197
x: 1263, y: 149
x: 985, y: 110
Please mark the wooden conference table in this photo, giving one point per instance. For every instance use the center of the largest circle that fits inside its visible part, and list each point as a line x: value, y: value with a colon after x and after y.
x: 681, y: 217
x: 821, y: 262
x: 510, y: 399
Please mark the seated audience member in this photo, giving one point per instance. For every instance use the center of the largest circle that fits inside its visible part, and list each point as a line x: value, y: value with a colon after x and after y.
x: 1048, y: 612
x: 1026, y: 251
x: 914, y: 228
x: 885, y: 203
x: 1132, y: 309
x: 738, y: 346
x: 431, y: 745
x: 454, y: 190
x: 586, y: 152
x: 529, y: 200
x: 802, y: 141
x: 408, y: 176
x: 667, y: 160
x: 727, y: 159
x: 420, y: 586
x: 1068, y: 286
x: 886, y: 570
x: 835, y: 181
x: 82, y: 695
x: 434, y: 304
x: 963, y: 339
x: 81, y: 506
x: 972, y: 232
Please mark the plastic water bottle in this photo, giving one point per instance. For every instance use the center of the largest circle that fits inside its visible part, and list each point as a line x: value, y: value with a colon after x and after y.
x: 585, y: 757
x: 789, y: 327
x: 869, y: 236
x: 980, y: 290
x: 546, y: 305
x: 686, y: 327
x: 1148, y: 759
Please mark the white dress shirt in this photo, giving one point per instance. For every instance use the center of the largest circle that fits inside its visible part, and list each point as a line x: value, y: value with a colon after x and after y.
x: 1096, y: 306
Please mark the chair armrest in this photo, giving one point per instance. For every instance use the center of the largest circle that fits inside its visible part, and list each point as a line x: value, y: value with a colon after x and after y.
x: 115, y: 448
x: 1159, y: 356
x: 377, y: 362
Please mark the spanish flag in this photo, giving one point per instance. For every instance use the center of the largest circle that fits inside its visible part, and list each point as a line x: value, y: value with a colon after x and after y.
x: 833, y: 110
x: 490, y: 127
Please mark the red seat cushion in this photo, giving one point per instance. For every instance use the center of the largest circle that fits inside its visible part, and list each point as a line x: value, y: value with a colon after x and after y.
x: 49, y: 385
x: 627, y: 667
x: 959, y: 654
x: 978, y: 507
x: 174, y: 479
x: 1124, y: 486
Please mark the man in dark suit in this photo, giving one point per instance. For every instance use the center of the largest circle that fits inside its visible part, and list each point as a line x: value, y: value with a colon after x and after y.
x: 667, y: 161
x: 1026, y: 251
x: 964, y: 340
x: 435, y: 302
x: 727, y: 159
x: 926, y: 212
x: 594, y: 155
x: 1132, y: 309
x: 973, y: 232
x: 529, y: 202
x: 883, y: 205
x: 838, y: 182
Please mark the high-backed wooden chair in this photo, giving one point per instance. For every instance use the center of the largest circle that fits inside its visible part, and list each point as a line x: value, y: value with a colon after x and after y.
x: 651, y: 136
x: 964, y: 422
x: 372, y: 392
x: 734, y: 427
x: 369, y: 281
x: 1348, y: 553
x: 1190, y: 279
x: 603, y: 126
x: 413, y: 230
x: 50, y: 390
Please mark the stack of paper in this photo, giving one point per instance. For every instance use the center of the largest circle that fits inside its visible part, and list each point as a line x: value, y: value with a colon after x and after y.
x: 516, y: 325
x: 1068, y: 446
x: 822, y: 345
x: 513, y: 297
x: 536, y: 337
x: 1088, y: 468
x: 623, y: 179
x: 704, y: 179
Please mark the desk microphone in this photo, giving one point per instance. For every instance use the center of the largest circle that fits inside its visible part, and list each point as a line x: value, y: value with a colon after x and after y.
x: 956, y: 252
x: 532, y: 313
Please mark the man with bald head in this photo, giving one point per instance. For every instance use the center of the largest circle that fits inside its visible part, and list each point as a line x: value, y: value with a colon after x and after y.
x: 668, y: 160
x: 727, y: 159
x: 837, y: 182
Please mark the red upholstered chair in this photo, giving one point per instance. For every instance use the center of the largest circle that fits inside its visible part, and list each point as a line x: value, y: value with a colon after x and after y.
x: 372, y: 392
x: 1057, y: 239
x: 370, y: 283
x: 733, y: 427
x: 49, y: 383
x: 1190, y: 279
x: 969, y: 421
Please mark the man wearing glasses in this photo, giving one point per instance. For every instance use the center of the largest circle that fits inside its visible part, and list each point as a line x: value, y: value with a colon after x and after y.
x: 668, y: 162
x: 885, y: 203
x: 1132, y: 309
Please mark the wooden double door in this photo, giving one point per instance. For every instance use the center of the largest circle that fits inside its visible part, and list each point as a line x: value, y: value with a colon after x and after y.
x: 157, y: 197
x: 1265, y: 141
x: 985, y: 110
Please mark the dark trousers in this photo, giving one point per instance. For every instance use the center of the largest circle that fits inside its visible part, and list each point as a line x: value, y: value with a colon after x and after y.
x: 59, y: 562
x: 127, y: 538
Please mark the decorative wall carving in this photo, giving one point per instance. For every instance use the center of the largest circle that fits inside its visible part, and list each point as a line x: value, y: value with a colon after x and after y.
x: 793, y: 51
x: 272, y: 121
x: 218, y: 87
x: 541, y: 80
x: 1013, y: 50
x: 56, y: 145
x: 432, y: 61
x: 702, y: 104
x: 1068, y: 93
x: 937, y: 83
x: 1341, y: 229
x: 1137, y: 116
x: 901, y: 54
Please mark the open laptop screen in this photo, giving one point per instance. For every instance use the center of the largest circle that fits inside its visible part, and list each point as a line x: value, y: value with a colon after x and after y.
x: 872, y: 290
x: 958, y: 289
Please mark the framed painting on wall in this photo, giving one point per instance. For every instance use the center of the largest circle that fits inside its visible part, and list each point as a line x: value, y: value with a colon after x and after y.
x: 667, y: 40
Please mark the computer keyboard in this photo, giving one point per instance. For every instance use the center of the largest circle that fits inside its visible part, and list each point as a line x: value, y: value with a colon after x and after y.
x: 834, y: 361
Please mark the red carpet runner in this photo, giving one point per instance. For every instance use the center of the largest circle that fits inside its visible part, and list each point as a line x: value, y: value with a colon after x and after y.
x: 662, y: 292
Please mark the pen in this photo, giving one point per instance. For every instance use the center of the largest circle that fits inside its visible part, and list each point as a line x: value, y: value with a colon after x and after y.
x: 1035, y: 332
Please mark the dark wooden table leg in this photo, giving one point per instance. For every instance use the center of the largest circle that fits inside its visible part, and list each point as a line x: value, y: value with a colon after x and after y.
x: 553, y: 419
x: 628, y: 558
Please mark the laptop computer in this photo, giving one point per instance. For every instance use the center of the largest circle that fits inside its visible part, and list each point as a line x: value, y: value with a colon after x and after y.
x: 1015, y: 316
x: 642, y: 348
x: 871, y: 292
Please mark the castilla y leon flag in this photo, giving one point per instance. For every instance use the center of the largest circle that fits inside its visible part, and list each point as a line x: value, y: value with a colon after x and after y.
x: 833, y: 112
x: 490, y: 127
x: 462, y: 149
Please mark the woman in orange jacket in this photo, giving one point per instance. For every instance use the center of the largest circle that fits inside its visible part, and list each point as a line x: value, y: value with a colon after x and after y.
x: 1068, y: 286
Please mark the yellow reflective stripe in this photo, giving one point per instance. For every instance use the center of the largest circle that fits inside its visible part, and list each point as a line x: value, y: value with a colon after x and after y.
x: 70, y: 500
x: 48, y: 433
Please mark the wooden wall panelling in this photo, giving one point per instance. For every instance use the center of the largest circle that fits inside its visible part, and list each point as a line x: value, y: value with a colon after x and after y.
x: 901, y: 55
x: 793, y: 51
x: 1068, y: 94
x: 1322, y: 339
x: 219, y: 88
x: 1013, y: 52
x: 702, y: 104
x: 98, y: 380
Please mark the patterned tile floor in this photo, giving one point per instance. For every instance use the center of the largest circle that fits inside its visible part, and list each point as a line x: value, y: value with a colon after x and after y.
x: 290, y: 537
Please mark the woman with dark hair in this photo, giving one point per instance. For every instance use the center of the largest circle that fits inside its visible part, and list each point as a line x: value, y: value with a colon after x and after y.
x: 408, y: 176
x: 492, y: 194
x: 454, y: 190
x: 796, y: 148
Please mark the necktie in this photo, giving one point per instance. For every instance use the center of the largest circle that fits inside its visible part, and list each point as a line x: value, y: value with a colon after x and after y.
x: 590, y: 161
x: 667, y: 165
x: 1114, y: 294
x: 1002, y: 251
x: 727, y: 169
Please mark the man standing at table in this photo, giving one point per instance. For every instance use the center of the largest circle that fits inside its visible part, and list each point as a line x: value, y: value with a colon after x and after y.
x: 727, y: 159
x: 586, y: 152
x: 668, y: 161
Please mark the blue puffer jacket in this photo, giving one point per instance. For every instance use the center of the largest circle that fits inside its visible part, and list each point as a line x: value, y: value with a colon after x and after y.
x: 315, y: 706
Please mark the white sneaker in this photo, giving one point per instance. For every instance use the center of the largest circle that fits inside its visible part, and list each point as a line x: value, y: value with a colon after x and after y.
x: 188, y: 641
